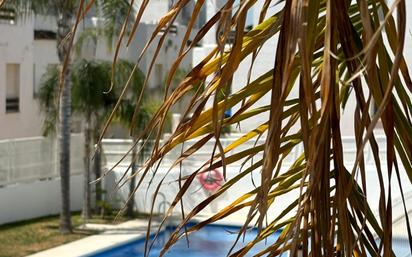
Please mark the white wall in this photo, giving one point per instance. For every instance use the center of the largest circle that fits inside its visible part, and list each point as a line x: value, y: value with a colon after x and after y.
x: 17, y: 47
x: 37, y: 199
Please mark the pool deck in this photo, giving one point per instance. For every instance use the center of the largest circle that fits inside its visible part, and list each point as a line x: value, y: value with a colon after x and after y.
x: 111, y: 236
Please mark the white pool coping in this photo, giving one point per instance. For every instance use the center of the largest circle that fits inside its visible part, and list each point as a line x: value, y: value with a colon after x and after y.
x: 88, y: 245
x: 115, y: 235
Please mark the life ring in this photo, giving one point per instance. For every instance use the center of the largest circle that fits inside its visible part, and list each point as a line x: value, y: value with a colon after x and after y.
x: 211, y: 180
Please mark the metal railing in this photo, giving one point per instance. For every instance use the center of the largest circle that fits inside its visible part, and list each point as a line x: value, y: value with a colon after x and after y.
x: 115, y: 149
x: 36, y: 158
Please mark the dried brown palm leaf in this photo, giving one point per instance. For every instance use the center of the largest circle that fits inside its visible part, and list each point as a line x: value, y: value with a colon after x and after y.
x: 328, y: 52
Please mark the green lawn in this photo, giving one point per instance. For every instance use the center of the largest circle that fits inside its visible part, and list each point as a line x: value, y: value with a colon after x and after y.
x: 27, y: 237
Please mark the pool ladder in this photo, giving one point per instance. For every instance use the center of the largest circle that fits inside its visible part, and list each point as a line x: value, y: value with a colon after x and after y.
x: 162, y: 208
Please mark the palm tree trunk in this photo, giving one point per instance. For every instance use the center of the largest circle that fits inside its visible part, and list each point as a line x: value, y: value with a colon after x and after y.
x: 64, y: 115
x: 63, y: 29
x: 130, y: 203
x: 97, y: 165
x: 86, y: 211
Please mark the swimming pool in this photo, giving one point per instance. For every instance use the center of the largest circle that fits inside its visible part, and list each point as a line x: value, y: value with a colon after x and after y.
x: 213, y: 240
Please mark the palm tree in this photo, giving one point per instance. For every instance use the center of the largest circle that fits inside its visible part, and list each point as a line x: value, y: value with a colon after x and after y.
x: 90, y: 79
x: 65, y: 12
x: 48, y: 98
x: 327, y: 51
x: 125, y: 116
x: 81, y: 89
x: 113, y: 13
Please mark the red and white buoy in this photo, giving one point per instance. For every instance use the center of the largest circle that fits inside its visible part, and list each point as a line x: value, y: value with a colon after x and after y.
x: 211, y: 180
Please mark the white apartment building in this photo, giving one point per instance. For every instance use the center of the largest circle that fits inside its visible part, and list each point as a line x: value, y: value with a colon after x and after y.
x: 265, y: 61
x: 28, y: 47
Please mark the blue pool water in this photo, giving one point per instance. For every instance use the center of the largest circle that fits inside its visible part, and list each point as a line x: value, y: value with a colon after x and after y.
x: 213, y: 240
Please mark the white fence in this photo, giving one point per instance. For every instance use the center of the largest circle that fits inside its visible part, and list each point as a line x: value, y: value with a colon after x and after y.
x: 116, y: 149
x: 30, y: 180
x: 30, y: 159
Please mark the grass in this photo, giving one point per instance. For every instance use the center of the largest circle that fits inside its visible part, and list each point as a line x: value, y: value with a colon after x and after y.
x: 28, y: 237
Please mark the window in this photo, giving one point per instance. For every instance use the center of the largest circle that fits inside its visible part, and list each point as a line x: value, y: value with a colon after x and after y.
x: 44, y: 34
x: 12, y: 87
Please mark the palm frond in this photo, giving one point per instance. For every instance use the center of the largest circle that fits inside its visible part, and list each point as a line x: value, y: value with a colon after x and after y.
x: 47, y: 98
x: 328, y: 52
